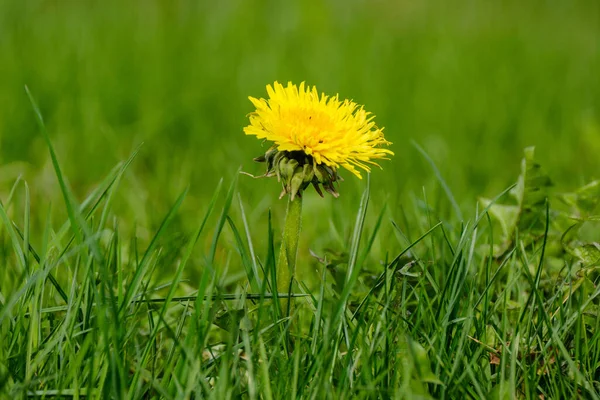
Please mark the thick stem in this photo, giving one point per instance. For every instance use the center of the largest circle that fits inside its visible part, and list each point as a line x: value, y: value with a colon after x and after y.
x: 286, y: 267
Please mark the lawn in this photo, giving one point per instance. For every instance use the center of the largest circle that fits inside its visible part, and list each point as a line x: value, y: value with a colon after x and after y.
x: 139, y: 260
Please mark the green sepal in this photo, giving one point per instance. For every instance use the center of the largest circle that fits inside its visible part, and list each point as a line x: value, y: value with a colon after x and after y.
x: 297, y: 170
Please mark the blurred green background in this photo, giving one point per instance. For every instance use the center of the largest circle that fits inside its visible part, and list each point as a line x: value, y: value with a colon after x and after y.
x: 473, y: 82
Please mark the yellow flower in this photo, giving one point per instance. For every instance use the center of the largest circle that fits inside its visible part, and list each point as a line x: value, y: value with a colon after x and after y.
x: 313, y: 136
x: 333, y: 132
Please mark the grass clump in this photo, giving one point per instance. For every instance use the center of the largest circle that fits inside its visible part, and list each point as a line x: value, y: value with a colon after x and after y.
x: 502, y: 304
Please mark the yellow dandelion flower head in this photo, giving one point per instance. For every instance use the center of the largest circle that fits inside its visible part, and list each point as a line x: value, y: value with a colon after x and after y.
x: 333, y: 132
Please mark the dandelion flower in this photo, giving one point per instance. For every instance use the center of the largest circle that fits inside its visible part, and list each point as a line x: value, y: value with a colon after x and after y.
x: 313, y: 136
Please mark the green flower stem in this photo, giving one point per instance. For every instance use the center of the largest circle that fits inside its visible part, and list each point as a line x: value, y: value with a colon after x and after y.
x: 286, y: 267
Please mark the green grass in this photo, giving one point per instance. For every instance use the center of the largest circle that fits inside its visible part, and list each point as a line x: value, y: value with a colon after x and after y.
x: 136, y: 262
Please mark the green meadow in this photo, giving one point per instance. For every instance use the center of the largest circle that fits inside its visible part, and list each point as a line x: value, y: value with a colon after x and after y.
x: 138, y: 262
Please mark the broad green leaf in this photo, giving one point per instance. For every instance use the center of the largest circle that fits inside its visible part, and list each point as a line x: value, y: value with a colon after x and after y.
x: 421, y: 360
x: 528, y: 214
x: 501, y: 391
x: 414, y: 357
x: 532, y: 192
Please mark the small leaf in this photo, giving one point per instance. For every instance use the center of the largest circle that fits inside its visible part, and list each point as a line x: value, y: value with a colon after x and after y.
x: 505, y: 215
x: 588, y: 253
x: 227, y: 320
x: 584, y: 201
x: 494, y: 359
x: 405, y: 270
